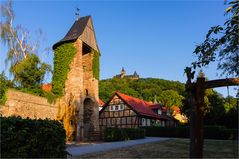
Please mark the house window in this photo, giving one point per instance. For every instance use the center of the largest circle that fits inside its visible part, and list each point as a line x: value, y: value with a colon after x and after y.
x: 163, y: 123
x: 116, y: 107
x: 121, y: 107
x: 159, y: 111
x: 143, y: 122
x: 112, y: 107
x: 148, y: 122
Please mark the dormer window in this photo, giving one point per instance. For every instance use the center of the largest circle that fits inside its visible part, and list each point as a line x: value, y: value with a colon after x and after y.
x: 112, y: 107
x: 121, y: 106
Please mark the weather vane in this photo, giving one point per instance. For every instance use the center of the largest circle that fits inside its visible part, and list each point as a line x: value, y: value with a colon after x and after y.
x: 77, y: 13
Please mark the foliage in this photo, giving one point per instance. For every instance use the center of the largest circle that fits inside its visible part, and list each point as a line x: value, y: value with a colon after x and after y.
x: 230, y: 103
x: 218, y: 112
x: 118, y: 134
x: 170, y: 98
x: 27, y: 138
x: 4, y: 85
x: 29, y: 72
x: 147, y: 89
x: 96, y: 64
x: 63, y: 56
x: 222, y: 44
x: 179, y: 132
x: 210, y: 132
x: 26, y: 67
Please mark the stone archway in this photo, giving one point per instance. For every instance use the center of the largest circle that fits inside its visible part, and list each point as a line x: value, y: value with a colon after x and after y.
x: 90, y: 117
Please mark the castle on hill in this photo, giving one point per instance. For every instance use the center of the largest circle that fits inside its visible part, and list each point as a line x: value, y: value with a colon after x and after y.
x: 134, y: 76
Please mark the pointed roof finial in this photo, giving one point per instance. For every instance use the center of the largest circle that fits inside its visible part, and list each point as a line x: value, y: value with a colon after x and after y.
x: 122, y: 69
x: 77, y: 13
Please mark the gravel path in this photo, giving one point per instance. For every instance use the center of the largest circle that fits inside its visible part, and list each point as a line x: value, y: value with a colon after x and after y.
x: 91, y: 148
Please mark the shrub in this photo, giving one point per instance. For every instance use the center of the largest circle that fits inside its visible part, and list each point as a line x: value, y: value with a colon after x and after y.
x: 26, y: 138
x: 4, y: 85
x: 118, y: 134
x: 210, y: 132
x: 180, y: 132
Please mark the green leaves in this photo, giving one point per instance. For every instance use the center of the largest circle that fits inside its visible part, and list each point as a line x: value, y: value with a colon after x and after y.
x: 29, y: 73
x: 170, y: 98
x: 26, y: 138
x: 222, y: 44
x: 146, y: 89
x: 63, y: 56
x: 4, y: 85
x: 96, y: 64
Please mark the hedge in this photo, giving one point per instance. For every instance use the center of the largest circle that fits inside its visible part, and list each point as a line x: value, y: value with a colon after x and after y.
x: 210, y: 132
x: 27, y: 138
x: 119, y: 134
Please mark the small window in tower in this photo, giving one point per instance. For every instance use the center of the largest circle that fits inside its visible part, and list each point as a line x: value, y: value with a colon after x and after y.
x: 86, y: 92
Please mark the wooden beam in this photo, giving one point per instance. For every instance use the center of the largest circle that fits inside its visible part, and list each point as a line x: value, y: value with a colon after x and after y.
x: 215, y: 83
x: 221, y: 83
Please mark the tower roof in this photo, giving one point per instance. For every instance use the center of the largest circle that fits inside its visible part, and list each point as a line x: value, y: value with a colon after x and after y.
x: 83, y: 29
x: 123, y: 70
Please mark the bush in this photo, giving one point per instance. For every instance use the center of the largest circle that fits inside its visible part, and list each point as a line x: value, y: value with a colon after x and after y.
x: 179, y: 132
x: 210, y: 132
x: 4, y: 85
x: 119, y: 134
x: 26, y: 138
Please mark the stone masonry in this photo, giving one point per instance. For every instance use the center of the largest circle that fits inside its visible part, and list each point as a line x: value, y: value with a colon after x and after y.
x: 27, y: 105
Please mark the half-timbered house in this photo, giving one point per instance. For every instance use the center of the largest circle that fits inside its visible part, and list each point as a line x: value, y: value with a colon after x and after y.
x: 125, y: 111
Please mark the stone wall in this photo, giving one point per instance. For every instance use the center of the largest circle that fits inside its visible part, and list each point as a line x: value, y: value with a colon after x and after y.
x: 27, y: 105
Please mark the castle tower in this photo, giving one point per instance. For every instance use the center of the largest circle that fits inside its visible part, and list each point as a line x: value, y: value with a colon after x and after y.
x: 80, y: 93
x: 123, y: 73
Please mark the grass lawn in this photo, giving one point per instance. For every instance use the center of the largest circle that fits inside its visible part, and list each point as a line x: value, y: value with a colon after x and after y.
x: 173, y: 148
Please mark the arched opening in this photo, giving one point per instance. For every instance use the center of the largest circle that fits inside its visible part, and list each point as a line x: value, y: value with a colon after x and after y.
x: 89, y: 117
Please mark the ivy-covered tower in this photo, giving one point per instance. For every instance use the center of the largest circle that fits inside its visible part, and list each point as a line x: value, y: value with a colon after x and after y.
x: 75, y: 80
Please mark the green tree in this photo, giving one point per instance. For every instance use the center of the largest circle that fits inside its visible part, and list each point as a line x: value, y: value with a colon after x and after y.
x: 29, y: 73
x: 222, y: 44
x: 21, y: 49
x: 144, y: 88
x: 4, y: 85
x: 170, y: 98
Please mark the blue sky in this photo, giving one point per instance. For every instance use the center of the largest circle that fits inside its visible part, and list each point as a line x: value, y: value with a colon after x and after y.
x: 154, y: 38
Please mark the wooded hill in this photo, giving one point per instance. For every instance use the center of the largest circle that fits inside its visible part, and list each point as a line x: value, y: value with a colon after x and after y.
x: 149, y: 89
x: 218, y: 110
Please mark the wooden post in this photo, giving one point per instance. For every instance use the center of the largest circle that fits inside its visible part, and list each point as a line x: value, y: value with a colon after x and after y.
x: 199, y: 117
x: 191, y: 102
x: 196, y: 100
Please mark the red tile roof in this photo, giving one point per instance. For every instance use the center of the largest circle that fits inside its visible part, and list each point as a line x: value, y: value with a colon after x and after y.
x: 138, y: 105
x: 176, y: 109
x: 46, y: 87
x: 101, y: 103
x: 155, y: 106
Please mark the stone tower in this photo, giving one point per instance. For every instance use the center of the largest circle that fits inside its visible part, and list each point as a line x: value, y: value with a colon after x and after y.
x: 81, y: 86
